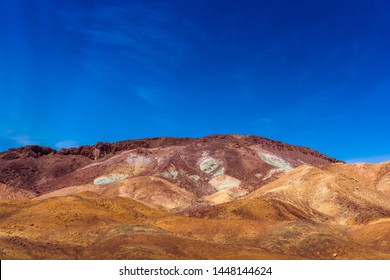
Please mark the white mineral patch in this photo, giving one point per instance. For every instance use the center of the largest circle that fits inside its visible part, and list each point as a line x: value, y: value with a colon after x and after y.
x: 224, y: 181
x: 207, y: 164
x: 275, y: 161
x: 135, y: 159
x: 194, y: 178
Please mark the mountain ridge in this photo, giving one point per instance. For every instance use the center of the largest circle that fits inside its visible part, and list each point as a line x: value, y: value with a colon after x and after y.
x: 101, y: 149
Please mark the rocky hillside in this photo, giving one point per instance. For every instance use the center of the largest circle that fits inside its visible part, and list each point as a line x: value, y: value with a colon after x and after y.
x: 218, y: 197
x: 211, y: 170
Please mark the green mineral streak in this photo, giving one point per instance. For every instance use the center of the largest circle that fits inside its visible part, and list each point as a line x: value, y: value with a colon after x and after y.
x: 219, y: 172
x: 170, y: 174
x: 277, y: 162
x: 208, y: 166
x: 104, y: 180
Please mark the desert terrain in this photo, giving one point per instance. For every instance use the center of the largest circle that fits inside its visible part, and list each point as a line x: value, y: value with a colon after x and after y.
x: 217, y: 197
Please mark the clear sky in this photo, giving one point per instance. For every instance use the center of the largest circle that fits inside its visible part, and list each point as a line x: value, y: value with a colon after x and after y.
x: 312, y: 73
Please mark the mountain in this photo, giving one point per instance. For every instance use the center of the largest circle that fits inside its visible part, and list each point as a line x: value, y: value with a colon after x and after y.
x: 209, y: 170
x: 217, y: 197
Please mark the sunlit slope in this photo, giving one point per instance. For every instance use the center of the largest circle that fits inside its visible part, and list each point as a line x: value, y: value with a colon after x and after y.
x: 150, y: 190
x: 337, y: 193
x: 90, y: 226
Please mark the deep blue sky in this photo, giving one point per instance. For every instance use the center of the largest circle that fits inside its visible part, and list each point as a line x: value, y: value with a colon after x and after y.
x: 303, y: 72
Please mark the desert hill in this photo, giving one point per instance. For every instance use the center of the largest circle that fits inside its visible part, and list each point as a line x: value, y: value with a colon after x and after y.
x: 209, y: 170
x: 218, y: 197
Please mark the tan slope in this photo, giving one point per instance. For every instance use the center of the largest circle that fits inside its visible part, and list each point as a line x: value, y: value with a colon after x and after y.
x: 264, y: 209
x: 339, y: 192
x: 82, y: 209
x: 168, y: 246
x: 377, y: 234
x: 373, y: 176
x: 89, y: 226
x: 8, y: 192
x: 153, y: 191
x: 321, y: 241
x: 150, y: 190
x: 62, y: 227
x: 72, y: 190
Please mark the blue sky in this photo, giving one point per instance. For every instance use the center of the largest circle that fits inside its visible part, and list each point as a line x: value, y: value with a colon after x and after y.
x: 303, y: 72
